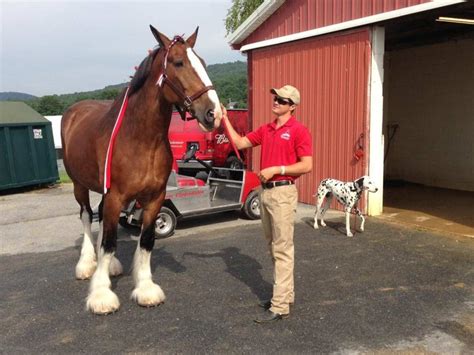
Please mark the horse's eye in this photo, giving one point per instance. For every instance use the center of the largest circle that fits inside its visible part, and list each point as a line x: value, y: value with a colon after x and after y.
x: 178, y: 63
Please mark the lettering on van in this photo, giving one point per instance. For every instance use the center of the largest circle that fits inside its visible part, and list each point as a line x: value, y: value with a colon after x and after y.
x: 221, y: 139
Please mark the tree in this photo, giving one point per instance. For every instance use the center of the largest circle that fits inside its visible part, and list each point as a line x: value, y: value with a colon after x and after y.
x: 50, y: 105
x: 239, y: 12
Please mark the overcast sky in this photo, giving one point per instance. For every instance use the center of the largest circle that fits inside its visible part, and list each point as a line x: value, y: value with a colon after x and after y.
x: 62, y: 46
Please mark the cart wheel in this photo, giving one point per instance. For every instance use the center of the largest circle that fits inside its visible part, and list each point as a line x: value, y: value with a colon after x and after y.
x: 165, y: 223
x: 233, y: 162
x: 123, y: 222
x: 251, y: 206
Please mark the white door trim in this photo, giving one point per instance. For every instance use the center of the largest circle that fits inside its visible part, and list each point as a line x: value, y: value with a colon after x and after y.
x: 376, y: 146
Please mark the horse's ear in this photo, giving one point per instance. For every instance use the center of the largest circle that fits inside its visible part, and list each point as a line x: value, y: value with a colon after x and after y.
x: 160, y: 37
x: 192, y: 39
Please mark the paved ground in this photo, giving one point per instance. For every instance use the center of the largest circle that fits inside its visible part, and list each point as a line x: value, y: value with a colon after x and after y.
x: 387, y: 290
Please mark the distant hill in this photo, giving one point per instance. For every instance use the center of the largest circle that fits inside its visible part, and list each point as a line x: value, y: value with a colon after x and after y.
x: 229, y: 79
x: 16, y: 96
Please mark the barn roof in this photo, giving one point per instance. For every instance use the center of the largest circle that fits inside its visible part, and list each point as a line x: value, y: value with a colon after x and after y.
x: 268, y: 7
x: 264, y: 11
x: 12, y: 112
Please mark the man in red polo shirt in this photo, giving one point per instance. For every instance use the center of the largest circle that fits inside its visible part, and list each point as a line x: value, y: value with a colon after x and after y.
x: 286, y: 154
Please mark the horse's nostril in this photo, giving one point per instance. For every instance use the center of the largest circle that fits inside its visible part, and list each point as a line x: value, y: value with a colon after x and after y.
x: 210, y: 116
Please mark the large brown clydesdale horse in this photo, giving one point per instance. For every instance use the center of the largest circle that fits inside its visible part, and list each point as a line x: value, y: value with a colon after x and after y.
x: 141, y: 162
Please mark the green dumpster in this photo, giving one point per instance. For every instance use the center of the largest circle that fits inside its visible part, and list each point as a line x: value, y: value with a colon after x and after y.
x: 27, y: 155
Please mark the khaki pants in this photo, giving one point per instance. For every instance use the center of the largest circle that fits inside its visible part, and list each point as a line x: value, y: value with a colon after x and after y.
x: 278, y: 209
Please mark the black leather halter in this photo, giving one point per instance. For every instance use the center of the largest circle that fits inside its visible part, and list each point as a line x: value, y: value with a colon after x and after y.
x: 163, y: 79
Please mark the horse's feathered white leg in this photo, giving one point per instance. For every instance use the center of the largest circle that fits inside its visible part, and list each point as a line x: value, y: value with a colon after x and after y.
x: 87, y: 262
x: 146, y: 292
x: 101, y: 299
x: 115, y: 268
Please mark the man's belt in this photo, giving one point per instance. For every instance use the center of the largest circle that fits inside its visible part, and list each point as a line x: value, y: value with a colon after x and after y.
x: 272, y: 184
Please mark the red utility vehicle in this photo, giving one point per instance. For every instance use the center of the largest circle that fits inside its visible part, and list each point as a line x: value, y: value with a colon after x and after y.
x: 213, y: 148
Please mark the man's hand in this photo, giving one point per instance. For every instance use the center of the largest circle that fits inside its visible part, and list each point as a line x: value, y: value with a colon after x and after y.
x: 224, y: 112
x: 267, y: 173
x: 240, y: 142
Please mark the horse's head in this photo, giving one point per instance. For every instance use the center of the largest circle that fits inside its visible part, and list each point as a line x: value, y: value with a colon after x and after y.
x: 185, y: 82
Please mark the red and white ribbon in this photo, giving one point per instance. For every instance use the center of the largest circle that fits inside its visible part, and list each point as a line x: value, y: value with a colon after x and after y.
x: 108, y: 158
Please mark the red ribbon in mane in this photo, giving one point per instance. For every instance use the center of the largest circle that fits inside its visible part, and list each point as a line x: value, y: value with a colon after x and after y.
x: 110, y: 149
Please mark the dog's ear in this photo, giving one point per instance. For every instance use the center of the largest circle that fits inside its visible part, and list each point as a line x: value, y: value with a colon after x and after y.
x: 360, y: 183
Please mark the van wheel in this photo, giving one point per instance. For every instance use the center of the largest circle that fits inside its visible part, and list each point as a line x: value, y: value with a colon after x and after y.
x: 124, y: 222
x: 165, y: 223
x: 251, y: 208
x: 233, y: 162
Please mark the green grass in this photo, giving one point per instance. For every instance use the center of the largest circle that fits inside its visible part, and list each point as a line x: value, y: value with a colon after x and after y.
x: 64, y: 177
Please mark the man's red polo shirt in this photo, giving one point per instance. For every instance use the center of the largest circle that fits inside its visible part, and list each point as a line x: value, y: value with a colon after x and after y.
x: 282, y: 146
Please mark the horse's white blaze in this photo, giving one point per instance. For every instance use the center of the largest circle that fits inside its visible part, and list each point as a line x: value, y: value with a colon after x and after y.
x: 87, y: 262
x: 101, y: 299
x: 146, y: 292
x: 201, y: 71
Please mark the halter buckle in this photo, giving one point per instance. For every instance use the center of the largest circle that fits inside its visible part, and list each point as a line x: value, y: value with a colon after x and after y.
x: 188, y: 102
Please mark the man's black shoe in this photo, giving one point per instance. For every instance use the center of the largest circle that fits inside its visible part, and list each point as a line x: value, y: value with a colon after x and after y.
x: 269, y: 316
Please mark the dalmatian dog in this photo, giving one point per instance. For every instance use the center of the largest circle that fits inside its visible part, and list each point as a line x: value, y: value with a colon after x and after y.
x: 347, y: 193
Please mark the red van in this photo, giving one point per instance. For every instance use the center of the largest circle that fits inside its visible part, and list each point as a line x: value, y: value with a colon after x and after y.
x: 212, y: 147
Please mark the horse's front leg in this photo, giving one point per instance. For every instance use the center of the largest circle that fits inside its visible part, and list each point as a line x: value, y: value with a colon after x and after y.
x: 87, y: 262
x: 115, y: 268
x: 146, y: 292
x: 101, y: 299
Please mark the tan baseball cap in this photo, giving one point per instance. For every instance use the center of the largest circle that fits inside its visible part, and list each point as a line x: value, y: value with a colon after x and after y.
x: 288, y: 92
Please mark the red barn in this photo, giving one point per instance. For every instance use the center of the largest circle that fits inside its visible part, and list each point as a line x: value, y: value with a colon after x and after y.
x: 391, y: 78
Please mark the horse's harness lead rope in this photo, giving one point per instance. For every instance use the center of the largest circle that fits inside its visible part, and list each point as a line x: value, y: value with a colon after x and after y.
x: 163, y: 79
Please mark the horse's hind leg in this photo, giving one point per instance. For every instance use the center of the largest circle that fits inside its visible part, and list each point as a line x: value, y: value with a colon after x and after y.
x: 146, y: 292
x: 101, y: 299
x: 87, y: 261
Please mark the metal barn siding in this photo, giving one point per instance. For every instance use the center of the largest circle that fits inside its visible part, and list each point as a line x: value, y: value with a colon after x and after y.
x: 27, y: 155
x: 302, y: 15
x: 331, y: 73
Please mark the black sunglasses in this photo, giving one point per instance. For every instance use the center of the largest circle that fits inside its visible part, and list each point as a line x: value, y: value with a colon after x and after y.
x: 282, y: 101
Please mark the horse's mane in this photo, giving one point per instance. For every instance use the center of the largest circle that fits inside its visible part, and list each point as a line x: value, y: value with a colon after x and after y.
x: 142, y: 72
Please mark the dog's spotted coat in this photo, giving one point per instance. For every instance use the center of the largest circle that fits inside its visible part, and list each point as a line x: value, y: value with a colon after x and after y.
x: 347, y: 193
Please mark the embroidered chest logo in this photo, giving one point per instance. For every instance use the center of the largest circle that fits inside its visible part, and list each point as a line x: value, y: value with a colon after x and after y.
x: 286, y: 135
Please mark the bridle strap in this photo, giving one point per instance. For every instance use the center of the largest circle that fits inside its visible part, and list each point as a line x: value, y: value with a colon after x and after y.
x: 163, y: 79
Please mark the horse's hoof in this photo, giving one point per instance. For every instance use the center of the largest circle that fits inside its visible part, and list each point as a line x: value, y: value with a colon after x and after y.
x: 323, y: 224
x: 102, y: 301
x: 315, y: 226
x: 148, y: 294
x: 115, y: 267
x: 85, y: 269
x: 350, y: 235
